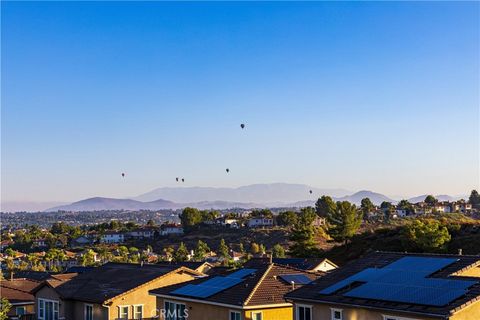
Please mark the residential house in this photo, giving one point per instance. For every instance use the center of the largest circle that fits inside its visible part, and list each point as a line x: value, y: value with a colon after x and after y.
x: 260, y: 222
x: 319, y: 221
x: 171, y: 229
x: 82, y: 241
x: 112, y: 237
x: 394, y: 286
x: 4, y: 244
x: 19, y: 294
x: 461, y: 206
x: 243, y: 294
x: 142, y: 233
x: 422, y: 208
x: 200, y: 266
x: 400, y: 213
x: 112, y: 291
x: 39, y: 243
x: 305, y: 264
x: 231, y: 223
x: 48, y: 301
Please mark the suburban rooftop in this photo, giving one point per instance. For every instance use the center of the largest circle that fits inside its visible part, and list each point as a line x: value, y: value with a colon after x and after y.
x: 334, y: 288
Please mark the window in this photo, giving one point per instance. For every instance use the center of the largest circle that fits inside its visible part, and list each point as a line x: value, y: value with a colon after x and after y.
x: 256, y: 316
x: 20, y: 311
x: 235, y: 315
x: 138, y: 312
x: 123, y: 312
x: 88, y: 312
x: 41, y: 309
x: 304, y: 312
x: 337, y: 314
x: 175, y: 311
x: 47, y: 309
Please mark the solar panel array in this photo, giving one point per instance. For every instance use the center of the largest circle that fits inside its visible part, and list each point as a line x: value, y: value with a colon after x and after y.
x: 295, y: 278
x: 405, y: 280
x: 214, y: 285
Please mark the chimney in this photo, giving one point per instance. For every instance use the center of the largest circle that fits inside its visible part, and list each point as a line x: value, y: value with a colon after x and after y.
x: 11, y: 275
x: 141, y: 264
x: 270, y: 256
x: 460, y: 252
x: 293, y: 284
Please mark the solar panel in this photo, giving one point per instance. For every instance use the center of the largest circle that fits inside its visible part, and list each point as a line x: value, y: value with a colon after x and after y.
x: 295, y: 278
x: 207, y: 288
x: 242, y: 273
x: 405, y: 280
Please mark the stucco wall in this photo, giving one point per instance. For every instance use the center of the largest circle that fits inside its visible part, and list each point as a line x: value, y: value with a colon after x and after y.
x: 50, y: 294
x: 201, y: 311
x: 141, y: 296
x: 324, y: 312
x: 472, y: 312
x: 472, y: 272
x: 29, y: 309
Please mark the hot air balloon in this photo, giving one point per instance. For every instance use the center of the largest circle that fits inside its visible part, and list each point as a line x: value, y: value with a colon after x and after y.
x: 311, y: 191
x: 183, y: 179
x: 123, y: 175
x: 242, y: 126
x: 176, y: 179
x: 228, y: 170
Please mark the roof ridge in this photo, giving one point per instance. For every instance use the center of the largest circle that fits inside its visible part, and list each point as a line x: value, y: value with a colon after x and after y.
x: 180, y: 269
x: 259, y: 282
x: 429, y: 254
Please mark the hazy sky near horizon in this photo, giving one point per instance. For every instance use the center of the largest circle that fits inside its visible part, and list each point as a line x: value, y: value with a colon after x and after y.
x: 374, y: 95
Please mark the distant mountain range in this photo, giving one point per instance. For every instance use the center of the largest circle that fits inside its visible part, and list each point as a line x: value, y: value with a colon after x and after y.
x: 256, y: 193
x: 247, y: 197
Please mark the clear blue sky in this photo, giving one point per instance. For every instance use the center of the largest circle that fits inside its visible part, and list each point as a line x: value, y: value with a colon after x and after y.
x: 376, y: 95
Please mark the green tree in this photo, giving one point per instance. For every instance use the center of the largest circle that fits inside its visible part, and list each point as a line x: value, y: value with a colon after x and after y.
x: 151, y: 223
x: 168, y: 252
x: 430, y: 200
x: 278, y: 251
x: 182, y: 253
x: 474, y: 199
x: 405, y: 205
x: 344, y: 221
x: 263, y: 250
x: 223, y: 250
x: 427, y: 236
x: 5, y: 306
x: 201, y: 251
x: 190, y: 218
x: 303, y: 233
x: 367, y: 206
x: 287, y: 218
x: 306, y: 216
x: 123, y: 253
x: 88, y: 258
x: 266, y: 213
x: 254, y: 248
x: 325, y: 206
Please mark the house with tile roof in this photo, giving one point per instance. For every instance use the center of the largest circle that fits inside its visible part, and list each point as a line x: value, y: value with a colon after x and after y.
x: 111, y: 291
x: 394, y: 286
x: 242, y: 294
x: 19, y: 293
x: 306, y: 264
